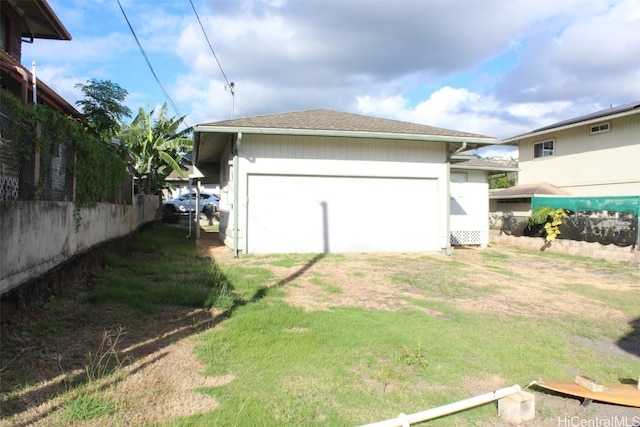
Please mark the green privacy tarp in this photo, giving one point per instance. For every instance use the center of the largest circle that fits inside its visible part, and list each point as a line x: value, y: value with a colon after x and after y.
x: 630, y: 204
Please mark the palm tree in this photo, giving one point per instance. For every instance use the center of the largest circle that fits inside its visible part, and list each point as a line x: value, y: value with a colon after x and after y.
x: 155, y: 147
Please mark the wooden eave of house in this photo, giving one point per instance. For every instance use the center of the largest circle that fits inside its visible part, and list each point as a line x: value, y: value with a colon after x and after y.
x: 39, y: 21
x: 211, y: 138
x: 526, y: 191
x: 587, y: 119
x: 23, y: 78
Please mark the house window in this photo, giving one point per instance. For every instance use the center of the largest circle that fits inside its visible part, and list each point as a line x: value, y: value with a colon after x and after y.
x: 458, y: 177
x: 543, y: 149
x: 600, y: 127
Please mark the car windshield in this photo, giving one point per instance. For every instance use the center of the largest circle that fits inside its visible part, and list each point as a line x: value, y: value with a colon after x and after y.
x: 192, y: 196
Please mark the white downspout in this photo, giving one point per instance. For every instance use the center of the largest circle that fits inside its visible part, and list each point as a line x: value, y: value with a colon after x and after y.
x: 459, y: 150
x: 236, y: 196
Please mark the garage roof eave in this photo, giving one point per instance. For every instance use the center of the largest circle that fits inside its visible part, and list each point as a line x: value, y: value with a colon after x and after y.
x: 484, y: 168
x: 337, y: 133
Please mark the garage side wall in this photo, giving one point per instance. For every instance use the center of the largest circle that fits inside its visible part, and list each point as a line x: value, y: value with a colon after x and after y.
x: 412, y: 178
x: 469, y: 208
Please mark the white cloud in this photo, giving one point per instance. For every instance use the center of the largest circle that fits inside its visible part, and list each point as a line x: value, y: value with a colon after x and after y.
x: 417, y: 61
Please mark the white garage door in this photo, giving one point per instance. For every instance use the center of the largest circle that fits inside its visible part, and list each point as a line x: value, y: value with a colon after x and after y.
x: 314, y: 214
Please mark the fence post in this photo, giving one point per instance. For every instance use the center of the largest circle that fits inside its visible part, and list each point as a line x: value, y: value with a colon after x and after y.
x: 36, y: 159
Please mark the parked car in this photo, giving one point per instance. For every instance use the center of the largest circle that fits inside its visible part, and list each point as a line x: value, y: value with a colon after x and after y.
x: 185, y: 204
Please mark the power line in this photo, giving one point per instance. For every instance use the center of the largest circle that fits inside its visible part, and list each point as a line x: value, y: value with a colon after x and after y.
x: 146, y: 58
x: 230, y: 85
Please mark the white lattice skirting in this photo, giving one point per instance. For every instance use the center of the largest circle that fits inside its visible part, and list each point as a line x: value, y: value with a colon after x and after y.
x: 466, y: 238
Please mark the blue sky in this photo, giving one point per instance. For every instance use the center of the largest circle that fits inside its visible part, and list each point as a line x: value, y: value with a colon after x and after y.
x: 493, y: 67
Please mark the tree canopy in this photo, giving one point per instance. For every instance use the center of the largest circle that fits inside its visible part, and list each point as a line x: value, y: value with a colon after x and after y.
x: 103, y: 108
x: 156, y: 147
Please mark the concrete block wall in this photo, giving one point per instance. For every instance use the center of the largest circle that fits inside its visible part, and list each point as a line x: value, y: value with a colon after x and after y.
x: 611, y: 253
x: 36, y: 237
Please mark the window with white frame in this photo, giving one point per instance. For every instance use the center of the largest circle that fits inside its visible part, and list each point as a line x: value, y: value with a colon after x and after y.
x: 600, y: 127
x: 544, y: 149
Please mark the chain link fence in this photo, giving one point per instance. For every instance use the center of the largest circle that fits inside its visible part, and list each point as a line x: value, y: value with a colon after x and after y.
x: 14, y: 168
x: 35, y: 164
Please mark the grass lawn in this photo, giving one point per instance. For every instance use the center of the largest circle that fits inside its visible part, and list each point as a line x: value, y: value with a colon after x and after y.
x: 333, y: 340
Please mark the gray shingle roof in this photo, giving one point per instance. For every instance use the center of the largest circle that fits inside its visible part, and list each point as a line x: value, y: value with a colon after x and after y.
x: 486, y: 163
x: 597, y: 115
x: 629, y: 108
x: 331, y: 120
x: 527, y: 191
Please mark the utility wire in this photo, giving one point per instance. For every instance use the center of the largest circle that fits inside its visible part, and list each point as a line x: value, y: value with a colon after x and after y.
x: 229, y: 85
x: 146, y: 58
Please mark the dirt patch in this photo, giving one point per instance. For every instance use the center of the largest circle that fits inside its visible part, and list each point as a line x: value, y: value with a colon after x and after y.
x: 374, y: 281
x: 157, y: 377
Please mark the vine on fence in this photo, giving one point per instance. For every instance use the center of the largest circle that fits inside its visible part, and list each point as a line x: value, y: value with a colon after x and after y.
x: 99, y: 172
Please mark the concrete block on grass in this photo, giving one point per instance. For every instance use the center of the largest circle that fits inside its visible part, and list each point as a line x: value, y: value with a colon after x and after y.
x: 517, y: 407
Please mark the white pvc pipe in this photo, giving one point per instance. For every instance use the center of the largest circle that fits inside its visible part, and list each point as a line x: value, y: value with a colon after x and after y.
x: 405, y: 420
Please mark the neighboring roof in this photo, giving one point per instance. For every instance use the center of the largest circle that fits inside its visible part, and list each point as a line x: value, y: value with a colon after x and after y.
x: 484, y: 165
x: 40, y: 21
x: 526, y: 191
x: 621, y: 110
x: 320, y: 121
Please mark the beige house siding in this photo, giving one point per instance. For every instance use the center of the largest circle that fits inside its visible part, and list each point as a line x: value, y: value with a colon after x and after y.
x: 603, y: 164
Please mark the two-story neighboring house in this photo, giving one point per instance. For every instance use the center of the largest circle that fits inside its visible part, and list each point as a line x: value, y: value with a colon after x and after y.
x: 594, y: 155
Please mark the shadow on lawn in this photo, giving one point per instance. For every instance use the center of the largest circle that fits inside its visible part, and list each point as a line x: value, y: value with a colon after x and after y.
x: 264, y: 290
x: 41, y: 360
x: 631, y: 341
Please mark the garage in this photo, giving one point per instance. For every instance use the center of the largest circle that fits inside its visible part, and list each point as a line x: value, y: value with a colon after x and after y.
x: 319, y: 214
x: 325, y: 181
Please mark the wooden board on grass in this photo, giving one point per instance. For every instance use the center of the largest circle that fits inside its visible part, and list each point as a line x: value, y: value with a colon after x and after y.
x: 619, y: 394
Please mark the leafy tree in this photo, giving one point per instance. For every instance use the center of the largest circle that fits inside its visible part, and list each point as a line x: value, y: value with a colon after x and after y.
x: 103, y: 108
x: 502, y: 180
x: 155, y: 146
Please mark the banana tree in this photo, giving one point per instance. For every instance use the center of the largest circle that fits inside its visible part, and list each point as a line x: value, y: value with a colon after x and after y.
x: 155, y: 146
